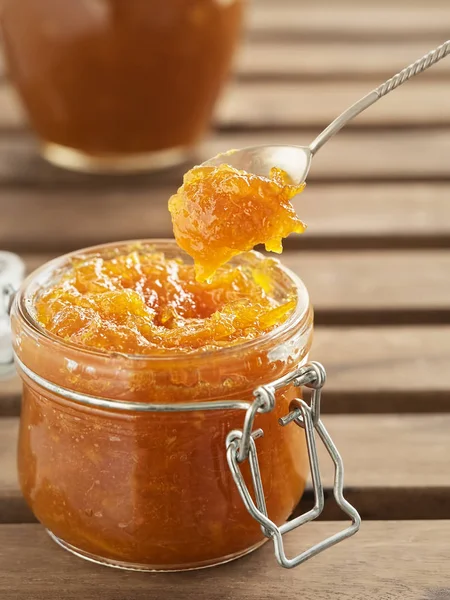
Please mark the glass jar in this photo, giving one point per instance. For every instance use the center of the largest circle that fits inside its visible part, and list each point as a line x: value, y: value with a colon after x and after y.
x: 119, y: 85
x: 146, y: 462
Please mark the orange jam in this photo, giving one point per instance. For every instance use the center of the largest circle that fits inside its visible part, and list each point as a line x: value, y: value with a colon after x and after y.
x: 142, y: 302
x: 220, y: 212
x: 128, y: 325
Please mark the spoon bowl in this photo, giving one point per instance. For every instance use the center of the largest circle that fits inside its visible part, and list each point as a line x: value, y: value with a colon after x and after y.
x: 259, y: 160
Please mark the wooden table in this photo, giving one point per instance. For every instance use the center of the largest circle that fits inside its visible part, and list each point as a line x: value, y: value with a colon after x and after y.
x: 376, y: 260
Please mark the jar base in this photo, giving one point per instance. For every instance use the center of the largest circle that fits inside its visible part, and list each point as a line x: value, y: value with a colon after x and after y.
x: 76, y: 160
x: 126, y: 566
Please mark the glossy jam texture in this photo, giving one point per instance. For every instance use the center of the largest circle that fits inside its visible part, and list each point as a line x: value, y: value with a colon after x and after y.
x: 142, y: 303
x: 220, y: 212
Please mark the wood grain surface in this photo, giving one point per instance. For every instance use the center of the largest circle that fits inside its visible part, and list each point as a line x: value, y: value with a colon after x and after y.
x: 386, y: 560
x: 338, y: 60
x: 351, y: 20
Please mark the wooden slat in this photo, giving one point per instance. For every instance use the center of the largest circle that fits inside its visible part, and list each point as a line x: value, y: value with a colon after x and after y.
x: 370, y: 369
x: 368, y: 287
x: 355, y: 155
x: 308, y: 60
x: 315, y: 104
x: 375, y: 211
x: 11, y: 113
x: 350, y: 21
x: 74, y: 215
x: 312, y: 59
x: 8, y: 443
x: 352, y: 156
x: 385, y: 360
x: 405, y: 460
x: 399, y: 561
x: 302, y: 104
x: 375, y: 287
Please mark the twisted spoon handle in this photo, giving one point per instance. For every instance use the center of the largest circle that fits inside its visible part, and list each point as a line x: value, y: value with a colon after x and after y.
x: 391, y: 84
x: 417, y: 67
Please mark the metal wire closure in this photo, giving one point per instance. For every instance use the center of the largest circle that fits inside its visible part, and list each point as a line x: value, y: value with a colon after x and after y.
x: 126, y: 405
x: 241, y: 445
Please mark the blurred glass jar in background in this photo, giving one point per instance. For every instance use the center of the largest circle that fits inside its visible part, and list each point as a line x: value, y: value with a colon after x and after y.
x: 119, y: 85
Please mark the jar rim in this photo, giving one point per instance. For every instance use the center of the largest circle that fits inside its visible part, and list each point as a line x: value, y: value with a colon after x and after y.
x: 24, y: 301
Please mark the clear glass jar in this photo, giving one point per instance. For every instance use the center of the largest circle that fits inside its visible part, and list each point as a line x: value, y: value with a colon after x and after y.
x: 153, y: 490
x: 119, y: 85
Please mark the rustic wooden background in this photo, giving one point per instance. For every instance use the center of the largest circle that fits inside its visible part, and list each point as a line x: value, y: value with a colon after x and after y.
x: 376, y: 259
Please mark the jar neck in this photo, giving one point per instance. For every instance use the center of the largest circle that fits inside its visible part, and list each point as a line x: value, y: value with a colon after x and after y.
x: 225, y: 372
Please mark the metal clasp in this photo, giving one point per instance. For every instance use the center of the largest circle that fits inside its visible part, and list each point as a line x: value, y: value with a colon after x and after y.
x: 241, y: 446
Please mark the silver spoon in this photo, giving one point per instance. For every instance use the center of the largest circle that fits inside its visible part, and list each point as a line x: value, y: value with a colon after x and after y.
x: 296, y: 160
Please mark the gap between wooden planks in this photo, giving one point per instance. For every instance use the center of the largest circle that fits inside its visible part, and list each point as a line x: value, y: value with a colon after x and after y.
x: 396, y: 467
x: 370, y: 370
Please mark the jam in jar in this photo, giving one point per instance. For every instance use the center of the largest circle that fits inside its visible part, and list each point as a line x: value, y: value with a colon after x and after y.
x: 134, y: 375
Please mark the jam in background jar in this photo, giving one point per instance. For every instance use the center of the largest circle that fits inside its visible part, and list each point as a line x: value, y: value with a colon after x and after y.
x: 119, y: 85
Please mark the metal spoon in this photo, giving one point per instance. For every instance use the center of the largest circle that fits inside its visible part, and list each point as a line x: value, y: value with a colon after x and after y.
x: 296, y: 160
